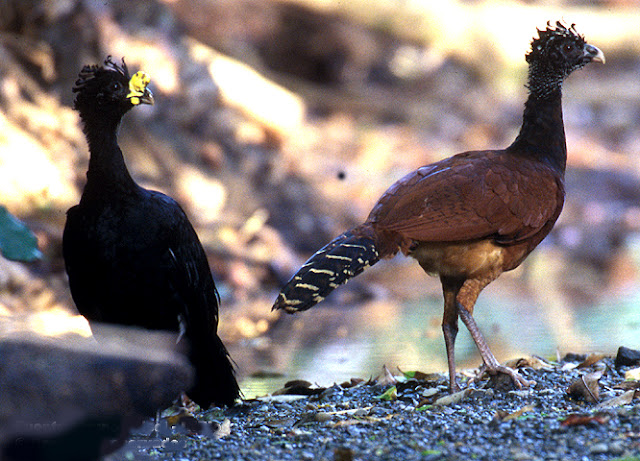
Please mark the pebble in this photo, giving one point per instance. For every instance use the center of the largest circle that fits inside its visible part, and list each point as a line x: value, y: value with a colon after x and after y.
x: 394, y: 430
x: 599, y: 448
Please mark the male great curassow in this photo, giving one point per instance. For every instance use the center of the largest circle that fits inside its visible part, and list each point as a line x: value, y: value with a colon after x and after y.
x: 131, y: 254
x: 470, y: 217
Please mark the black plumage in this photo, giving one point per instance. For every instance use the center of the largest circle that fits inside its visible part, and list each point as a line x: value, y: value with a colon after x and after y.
x: 131, y: 254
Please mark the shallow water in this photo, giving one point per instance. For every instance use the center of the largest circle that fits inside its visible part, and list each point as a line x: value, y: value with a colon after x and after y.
x: 537, y: 314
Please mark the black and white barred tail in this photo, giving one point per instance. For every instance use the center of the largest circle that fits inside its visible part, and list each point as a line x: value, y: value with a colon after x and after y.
x: 341, y: 259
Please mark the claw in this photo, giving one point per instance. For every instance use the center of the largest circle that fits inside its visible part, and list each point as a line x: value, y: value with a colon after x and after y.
x: 517, y: 379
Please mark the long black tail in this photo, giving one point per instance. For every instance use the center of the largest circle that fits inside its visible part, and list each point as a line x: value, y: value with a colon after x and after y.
x: 215, y: 381
x: 343, y: 258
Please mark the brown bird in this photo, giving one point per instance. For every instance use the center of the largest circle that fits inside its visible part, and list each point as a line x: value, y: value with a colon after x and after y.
x: 470, y: 217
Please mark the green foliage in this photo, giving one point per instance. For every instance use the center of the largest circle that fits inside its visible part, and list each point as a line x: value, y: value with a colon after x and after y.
x: 17, y: 242
x: 389, y: 394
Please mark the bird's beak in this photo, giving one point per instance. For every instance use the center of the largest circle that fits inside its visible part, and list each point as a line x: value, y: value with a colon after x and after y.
x: 594, y: 53
x: 147, y: 96
x: 138, y: 91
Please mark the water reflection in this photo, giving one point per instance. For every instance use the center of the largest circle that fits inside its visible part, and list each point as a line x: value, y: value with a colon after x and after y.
x: 536, y: 312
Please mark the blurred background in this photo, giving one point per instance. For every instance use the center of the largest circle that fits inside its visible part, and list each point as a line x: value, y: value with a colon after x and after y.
x: 278, y: 124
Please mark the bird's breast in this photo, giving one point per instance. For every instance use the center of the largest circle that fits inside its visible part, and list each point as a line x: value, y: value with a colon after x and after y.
x: 460, y: 259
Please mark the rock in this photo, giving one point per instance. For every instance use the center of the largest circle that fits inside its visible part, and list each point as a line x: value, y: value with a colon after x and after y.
x: 63, y: 397
x: 599, y: 448
x: 627, y: 357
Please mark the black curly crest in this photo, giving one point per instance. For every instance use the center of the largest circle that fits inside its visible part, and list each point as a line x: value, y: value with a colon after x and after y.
x: 551, y: 35
x: 90, y: 72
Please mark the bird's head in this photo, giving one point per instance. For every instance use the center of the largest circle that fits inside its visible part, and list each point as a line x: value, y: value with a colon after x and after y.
x: 110, y: 89
x: 563, y: 49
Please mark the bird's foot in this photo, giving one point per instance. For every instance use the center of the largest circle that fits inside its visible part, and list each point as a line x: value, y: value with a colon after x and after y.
x: 495, y: 370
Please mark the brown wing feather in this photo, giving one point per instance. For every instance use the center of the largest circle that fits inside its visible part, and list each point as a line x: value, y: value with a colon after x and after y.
x: 470, y: 196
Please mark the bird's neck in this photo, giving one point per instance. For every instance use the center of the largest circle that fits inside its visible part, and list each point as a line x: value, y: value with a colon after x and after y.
x: 107, y: 173
x: 542, y: 133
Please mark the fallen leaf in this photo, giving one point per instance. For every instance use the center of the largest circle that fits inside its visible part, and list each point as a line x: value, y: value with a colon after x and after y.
x: 626, y: 385
x: 632, y: 375
x: 591, y: 360
x: 297, y: 383
x: 421, y: 376
x: 299, y: 387
x: 537, y: 363
x: 584, y: 420
x: 387, y: 377
x: 569, y: 366
x: 586, y: 387
x: 358, y: 412
x: 353, y: 382
x: 389, y: 394
x: 180, y: 416
x: 224, y: 429
x: 452, y: 398
x: 620, y: 400
x: 280, y: 398
x: 505, y: 416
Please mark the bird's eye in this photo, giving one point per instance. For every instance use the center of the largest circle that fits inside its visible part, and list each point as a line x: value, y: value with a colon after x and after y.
x: 115, y: 86
x: 568, y: 47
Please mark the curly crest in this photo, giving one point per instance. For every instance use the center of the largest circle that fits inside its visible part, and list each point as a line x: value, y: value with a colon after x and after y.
x: 90, y: 72
x: 552, y: 34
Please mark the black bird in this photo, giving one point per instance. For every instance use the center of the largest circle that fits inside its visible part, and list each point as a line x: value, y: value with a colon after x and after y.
x: 131, y: 254
x: 472, y: 216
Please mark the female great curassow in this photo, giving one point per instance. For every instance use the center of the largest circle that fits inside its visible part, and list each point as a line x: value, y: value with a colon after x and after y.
x: 470, y: 217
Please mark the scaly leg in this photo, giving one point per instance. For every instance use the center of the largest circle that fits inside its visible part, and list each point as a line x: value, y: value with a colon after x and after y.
x: 491, y: 364
x: 450, y: 288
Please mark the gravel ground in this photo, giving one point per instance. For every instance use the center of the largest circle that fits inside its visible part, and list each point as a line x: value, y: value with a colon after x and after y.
x: 353, y: 422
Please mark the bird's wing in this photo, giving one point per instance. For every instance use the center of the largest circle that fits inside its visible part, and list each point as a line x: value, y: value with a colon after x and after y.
x: 470, y: 196
x: 188, y: 272
x: 189, y: 276
x: 78, y: 260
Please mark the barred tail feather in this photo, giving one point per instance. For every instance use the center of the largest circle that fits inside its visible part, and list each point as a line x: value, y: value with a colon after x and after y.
x: 341, y: 259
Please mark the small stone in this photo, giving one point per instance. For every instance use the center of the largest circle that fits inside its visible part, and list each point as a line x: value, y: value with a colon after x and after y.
x: 360, y: 413
x: 322, y: 417
x: 599, y: 448
x: 617, y: 447
x: 627, y: 357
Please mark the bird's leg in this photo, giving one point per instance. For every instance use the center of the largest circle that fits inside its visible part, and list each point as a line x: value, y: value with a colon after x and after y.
x: 450, y: 288
x: 491, y: 364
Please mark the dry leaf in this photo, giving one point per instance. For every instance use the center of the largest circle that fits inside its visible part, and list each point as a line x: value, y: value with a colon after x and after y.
x: 583, y: 420
x: 591, y: 360
x: 620, y: 400
x: 534, y: 362
x: 626, y: 385
x: 632, y: 375
x: 451, y: 399
x: 224, y: 429
x: 387, y: 377
x: 421, y: 376
x: 517, y: 413
x: 353, y: 382
x: 586, y: 387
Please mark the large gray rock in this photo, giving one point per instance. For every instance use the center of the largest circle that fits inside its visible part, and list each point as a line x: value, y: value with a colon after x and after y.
x: 73, y: 397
